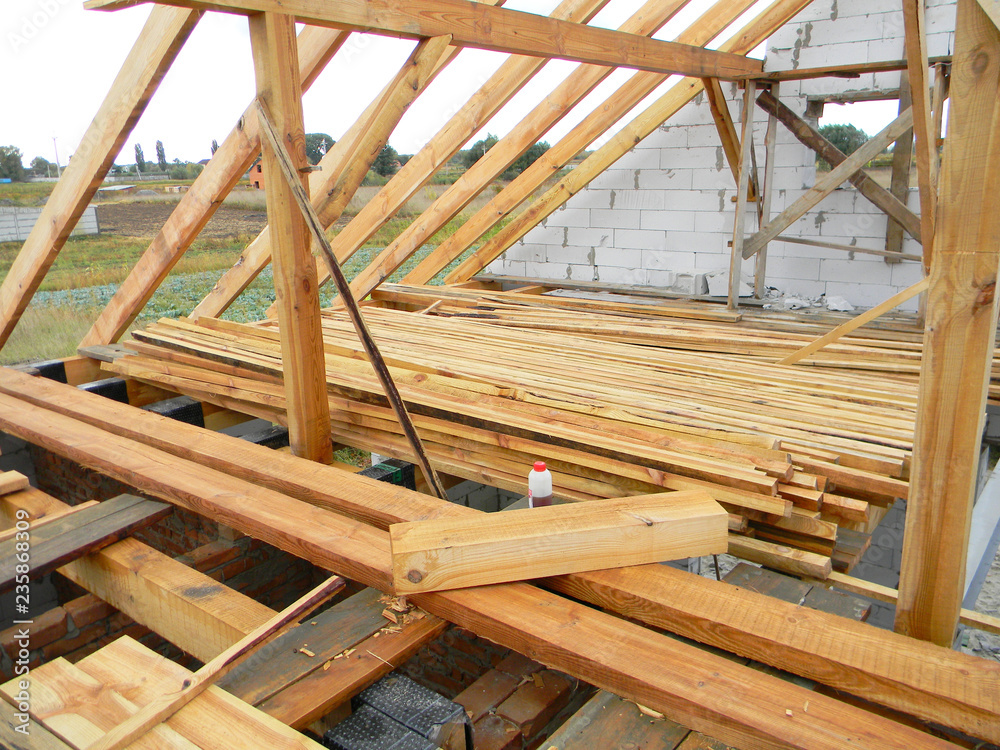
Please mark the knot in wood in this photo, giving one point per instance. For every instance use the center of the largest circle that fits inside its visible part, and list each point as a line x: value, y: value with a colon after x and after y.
x: 986, y: 293
x: 415, y: 576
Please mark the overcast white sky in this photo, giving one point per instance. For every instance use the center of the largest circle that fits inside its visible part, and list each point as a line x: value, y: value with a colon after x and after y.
x: 57, y: 61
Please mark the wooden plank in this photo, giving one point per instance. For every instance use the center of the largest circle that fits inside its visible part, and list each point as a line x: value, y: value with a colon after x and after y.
x: 295, y: 286
x: 727, y: 131
x: 328, y: 634
x: 498, y: 29
x: 892, y: 680
x: 915, y: 39
x: 12, y: 481
x: 161, y: 39
x: 283, y: 160
x: 161, y: 709
x: 958, y: 342
x: 201, y: 200
x: 554, y: 540
x: 845, y: 70
x: 780, y: 557
x: 18, y: 731
x: 342, y: 677
x: 608, y: 716
x: 893, y: 256
x: 856, y: 322
x: 58, y: 515
x: 578, y: 84
x: 742, y: 196
x: 74, y: 535
x: 829, y: 182
x: 621, y: 143
x: 764, y: 212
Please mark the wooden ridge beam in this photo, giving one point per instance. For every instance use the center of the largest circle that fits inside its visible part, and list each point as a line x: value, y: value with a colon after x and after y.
x: 154, y: 51
x: 689, y: 685
x: 807, y: 134
x: 197, y: 206
x: 959, y: 341
x: 477, y: 25
x: 621, y: 143
x: 578, y: 84
x: 829, y: 182
x: 296, y: 291
x: 756, y: 626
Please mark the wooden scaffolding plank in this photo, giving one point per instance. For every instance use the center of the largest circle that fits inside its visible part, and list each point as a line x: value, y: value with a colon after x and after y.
x: 878, y: 195
x: 621, y: 143
x: 958, y: 341
x: 742, y: 196
x: 71, y: 537
x: 158, y: 44
x: 554, y: 540
x: 578, y: 84
x: 482, y: 26
x: 295, y: 287
x: 843, y: 662
x: 829, y: 182
x: 197, y: 206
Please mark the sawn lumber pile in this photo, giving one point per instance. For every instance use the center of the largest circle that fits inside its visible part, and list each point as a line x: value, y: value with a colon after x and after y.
x: 804, y: 460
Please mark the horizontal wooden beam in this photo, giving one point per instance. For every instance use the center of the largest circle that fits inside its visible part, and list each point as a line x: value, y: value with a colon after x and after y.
x: 843, y: 71
x: 474, y: 24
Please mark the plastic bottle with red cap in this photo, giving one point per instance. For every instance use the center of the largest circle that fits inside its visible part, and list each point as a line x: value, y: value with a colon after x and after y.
x: 539, y: 486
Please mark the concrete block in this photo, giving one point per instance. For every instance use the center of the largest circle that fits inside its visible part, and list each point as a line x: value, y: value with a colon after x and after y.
x: 617, y: 256
x: 797, y: 286
x: 535, y: 251
x: 687, y: 242
x: 805, y: 269
x: 820, y: 55
x: 667, y: 260
x: 680, y: 221
x: 906, y: 274
x: 568, y: 254
x: 887, y: 81
x: 709, y: 262
x: 941, y: 43
x: 643, y: 239
x: 570, y: 217
x: 691, y: 283
x: 859, y: 271
x: 628, y: 276
x: 665, y: 179
x: 860, y: 295
x: 891, y: 48
x: 670, y: 137
x: 705, y: 135
x: 617, y: 179
x: 615, y: 218
x: 703, y: 157
x: 713, y: 179
x: 661, y: 279
x: 591, y: 197
x: 640, y: 157
x: 579, y: 272
x: 511, y: 268
x: 700, y: 200
x: 589, y: 237
x: 553, y: 234
x: 650, y: 200
x: 545, y: 270
x: 713, y: 222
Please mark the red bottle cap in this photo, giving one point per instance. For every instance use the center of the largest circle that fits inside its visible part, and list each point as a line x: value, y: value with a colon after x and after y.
x: 539, y: 466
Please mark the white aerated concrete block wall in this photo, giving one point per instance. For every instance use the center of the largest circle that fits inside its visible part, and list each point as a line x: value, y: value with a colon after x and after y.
x: 663, y: 215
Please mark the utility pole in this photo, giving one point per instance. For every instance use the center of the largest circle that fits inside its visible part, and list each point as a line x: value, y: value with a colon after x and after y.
x: 56, y: 147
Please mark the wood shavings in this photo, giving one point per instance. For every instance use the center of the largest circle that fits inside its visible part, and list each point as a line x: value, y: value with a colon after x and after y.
x: 788, y: 712
x: 537, y: 679
x: 327, y: 665
x: 307, y: 652
x: 390, y: 615
x: 646, y: 711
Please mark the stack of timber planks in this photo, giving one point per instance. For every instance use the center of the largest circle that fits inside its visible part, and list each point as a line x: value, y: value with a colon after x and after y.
x: 804, y: 460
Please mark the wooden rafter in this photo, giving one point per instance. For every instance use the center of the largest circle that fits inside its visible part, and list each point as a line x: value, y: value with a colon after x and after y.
x: 646, y: 21
x: 276, y: 67
x: 958, y: 340
x: 477, y: 25
x: 154, y: 51
x: 197, y: 206
x: 621, y: 143
x: 342, y: 169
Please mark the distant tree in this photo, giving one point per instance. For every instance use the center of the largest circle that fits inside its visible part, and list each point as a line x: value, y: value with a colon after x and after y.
x: 161, y: 156
x: 525, y: 160
x: 845, y: 137
x: 478, y: 149
x: 140, y: 159
x: 41, y: 166
x: 11, y: 165
x: 387, y: 162
x: 403, y: 158
x: 215, y: 146
x: 317, y: 144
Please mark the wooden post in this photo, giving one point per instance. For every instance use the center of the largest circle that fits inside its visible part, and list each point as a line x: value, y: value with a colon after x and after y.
x: 902, y: 157
x: 739, y: 225
x: 767, y: 192
x: 161, y: 39
x: 958, y: 341
x: 295, y: 288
